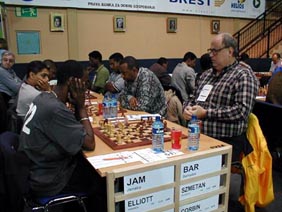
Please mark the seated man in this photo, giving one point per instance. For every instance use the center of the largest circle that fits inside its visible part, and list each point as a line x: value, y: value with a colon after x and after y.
x: 143, y: 91
x: 53, y: 137
x: 115, y: 84
x: 184, y: 76
x: 36, y: 81
x: 9, y: 82
x: 99, y: 74
x: 160, y: 70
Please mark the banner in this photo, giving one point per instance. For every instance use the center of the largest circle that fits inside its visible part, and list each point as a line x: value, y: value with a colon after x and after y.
x: 223, y: 8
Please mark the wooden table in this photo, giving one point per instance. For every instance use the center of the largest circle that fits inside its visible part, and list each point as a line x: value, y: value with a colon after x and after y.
x: 210, y: 149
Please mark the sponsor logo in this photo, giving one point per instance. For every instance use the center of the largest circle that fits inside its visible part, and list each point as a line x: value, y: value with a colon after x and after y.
x: 239, y: 5
x: 218, y: 3
x: 256, y: 3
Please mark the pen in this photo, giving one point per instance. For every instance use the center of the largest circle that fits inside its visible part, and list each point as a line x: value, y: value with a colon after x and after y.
x: 117, y: 158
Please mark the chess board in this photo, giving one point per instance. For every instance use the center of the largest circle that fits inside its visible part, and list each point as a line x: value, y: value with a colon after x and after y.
x: 129, y: 135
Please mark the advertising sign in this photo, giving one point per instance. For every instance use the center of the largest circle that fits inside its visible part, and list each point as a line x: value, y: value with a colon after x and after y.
x: 224, y: 8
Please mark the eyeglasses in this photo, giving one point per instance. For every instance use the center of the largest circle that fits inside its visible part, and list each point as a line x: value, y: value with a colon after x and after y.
x: 215, y: 51
x: 8, y: 60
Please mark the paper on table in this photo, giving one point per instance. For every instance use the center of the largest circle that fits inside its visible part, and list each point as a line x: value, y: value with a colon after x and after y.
x: 139, y: 116
x: 143, y: 155
x: 148, y: 155
x: 113, y: 159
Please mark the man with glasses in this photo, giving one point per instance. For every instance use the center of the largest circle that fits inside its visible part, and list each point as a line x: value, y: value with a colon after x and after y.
x: 10, y: 83
x: 225, y: 96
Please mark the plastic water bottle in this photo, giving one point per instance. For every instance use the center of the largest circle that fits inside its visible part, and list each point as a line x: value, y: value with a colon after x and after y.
x: 106, y: 107
x: 193, y: 134
x: 114, y: 108
x: 158, y: 135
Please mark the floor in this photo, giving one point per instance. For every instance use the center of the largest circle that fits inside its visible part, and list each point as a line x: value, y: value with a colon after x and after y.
x: 275, y: 206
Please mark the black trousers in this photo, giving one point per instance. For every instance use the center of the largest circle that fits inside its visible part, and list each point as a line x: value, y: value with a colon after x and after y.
x: 240, y: 144
x: 86, y: 179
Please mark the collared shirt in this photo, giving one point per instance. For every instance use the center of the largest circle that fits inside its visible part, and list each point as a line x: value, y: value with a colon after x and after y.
x: 10, y: 83
x: 148, y: 91
x: 117, y: 81
x: 100, y: 78
x: 183, y: 78
x: 274, y: 66
x: 230, y: 100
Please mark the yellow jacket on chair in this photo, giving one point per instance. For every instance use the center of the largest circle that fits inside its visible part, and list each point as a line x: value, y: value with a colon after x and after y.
x: 257, y: 165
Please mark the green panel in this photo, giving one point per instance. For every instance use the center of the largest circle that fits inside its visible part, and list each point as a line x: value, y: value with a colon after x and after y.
x: 28, y: 12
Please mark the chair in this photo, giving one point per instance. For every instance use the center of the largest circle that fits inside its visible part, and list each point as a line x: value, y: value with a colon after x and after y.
x: 256, y: 170
x: 14, y: 172
x: 46, y: 203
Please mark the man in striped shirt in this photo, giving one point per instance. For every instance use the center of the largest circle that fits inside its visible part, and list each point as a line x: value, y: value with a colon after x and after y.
x: 225, y: 96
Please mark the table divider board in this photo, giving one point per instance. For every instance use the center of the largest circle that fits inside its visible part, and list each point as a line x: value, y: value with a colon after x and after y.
x: 215, y: 181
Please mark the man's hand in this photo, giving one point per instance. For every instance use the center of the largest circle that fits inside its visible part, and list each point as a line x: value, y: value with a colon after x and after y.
x: 133, y: 103
x: 43, y: 85
x: 77, y: 92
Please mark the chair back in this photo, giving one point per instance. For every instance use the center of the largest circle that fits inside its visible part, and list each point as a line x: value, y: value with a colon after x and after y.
x: 14, y: 172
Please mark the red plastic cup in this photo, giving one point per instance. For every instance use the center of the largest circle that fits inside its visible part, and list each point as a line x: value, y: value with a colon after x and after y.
x: 176, y: 138
x: 100, y: 108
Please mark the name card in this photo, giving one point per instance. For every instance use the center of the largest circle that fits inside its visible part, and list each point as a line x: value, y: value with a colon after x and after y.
x: 206, y: 205
x: 150, y: 201
x: 149, y: 179
x: 199, y: 187
x: 200, y: 167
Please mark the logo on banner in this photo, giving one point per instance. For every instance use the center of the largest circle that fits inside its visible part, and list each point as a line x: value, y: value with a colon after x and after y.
x: 256, y: 3
x: 238, y: 4
x: 218, y: 3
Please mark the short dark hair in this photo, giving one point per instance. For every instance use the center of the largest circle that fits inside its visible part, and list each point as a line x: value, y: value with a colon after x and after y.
x: 205, y: 62
x: 35, y: 66
x: 69, y: 68
x: 116, y: 57
x: 131, y: 62
x: 96, y: 54
x: 189, y: 55
x: 162, y: 60
x: 50, y: 64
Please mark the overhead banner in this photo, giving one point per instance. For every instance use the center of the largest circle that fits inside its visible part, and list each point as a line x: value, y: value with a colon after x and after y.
x: 224, y: 8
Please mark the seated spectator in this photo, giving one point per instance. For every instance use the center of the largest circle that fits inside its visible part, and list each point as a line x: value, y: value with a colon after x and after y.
x: 142, y: 89
x: 9, y: 82
x: 98, y: 74
x: 52, y: 67
x: 36, y: 81
x: 275, y: 61
x: 174, y: 107
x: 274, y: 92
x: 53, y: 138
x: 184, y: 76
x: 115, y: 84
x: 160, y: 70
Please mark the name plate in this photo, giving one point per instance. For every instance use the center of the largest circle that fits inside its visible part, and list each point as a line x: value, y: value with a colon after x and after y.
x: 149, y: 179
x: 206, y: 205
x: 200, y: 167
x: 150, y: 201
x: 199, y: 187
